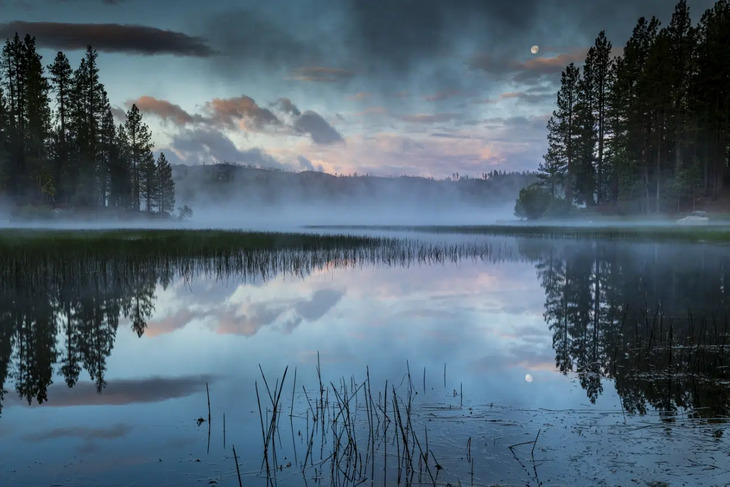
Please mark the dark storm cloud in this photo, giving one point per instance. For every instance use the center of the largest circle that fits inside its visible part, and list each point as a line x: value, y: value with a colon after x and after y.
x: 253, y: 37
x: 135, y: 39
x: 321, y: 132
x: 398, y: 33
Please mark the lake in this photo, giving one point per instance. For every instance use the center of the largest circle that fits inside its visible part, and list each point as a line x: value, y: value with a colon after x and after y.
x: 418, y: 358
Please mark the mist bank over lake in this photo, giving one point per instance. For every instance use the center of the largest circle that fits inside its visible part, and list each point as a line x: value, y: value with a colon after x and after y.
x: 228, y: 193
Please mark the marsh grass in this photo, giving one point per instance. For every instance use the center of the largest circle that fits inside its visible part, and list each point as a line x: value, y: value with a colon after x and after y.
x: 642, y: 232
x: 348, y: 434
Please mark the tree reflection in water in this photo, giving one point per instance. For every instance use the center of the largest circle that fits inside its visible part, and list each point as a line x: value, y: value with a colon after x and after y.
x: 653, y: 318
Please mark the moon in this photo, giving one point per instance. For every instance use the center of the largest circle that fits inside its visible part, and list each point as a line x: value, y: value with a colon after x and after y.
x: 535, y: 49
x: 528, y: 378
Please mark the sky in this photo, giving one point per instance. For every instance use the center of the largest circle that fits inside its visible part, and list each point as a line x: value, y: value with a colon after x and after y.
x: 389, y: 88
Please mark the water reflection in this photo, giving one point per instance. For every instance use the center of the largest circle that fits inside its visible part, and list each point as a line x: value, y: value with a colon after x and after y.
x: 64, y: 309
x: 652, y: 318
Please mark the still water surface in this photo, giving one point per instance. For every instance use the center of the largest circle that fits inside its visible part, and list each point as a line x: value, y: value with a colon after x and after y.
x: 598, y: 363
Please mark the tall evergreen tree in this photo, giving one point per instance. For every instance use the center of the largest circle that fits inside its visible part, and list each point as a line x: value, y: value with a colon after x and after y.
x: 585, y: 137
x: 712, y: 94
x: 562, y: 129
x: 120, y: 178
x: 37, y: 122
x: 166, y: 185
x: 627, y: 115
x: 13, y: 79
x: 598, y: 68
x: 4, y: 140
x: 89, y: 104
x: 61, y: 83
x: 140, y: 151
x: 149, y: 184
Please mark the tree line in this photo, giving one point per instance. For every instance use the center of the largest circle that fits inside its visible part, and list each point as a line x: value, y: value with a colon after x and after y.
x: 59, y: 144
x: 646, y: 131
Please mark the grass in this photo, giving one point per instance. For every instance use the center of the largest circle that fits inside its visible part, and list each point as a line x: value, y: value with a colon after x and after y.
x: 639, y: 232
x: 197, y: 242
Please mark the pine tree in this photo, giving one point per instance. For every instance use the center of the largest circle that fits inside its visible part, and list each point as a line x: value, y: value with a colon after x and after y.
x: 585, y: 139
x: 149, y: 185
x: 4, y: 134
x: 37, y: 122
x: 140, y: 151
x: 120, y: 177
x: 61, y: 83
x: 599, y: 68
x: 166, y: 194
x: 712, y: 94
x: 14, y: 69
x: 656, y: 88
x: 107, y: 154
x: 551, y: 173
x: 627, y: 113
x: 89, y: 103
x: 562, y: 129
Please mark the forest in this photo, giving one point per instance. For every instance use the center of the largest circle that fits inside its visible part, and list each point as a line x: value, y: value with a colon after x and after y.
x: 646, y: 131
x: 59, y: 145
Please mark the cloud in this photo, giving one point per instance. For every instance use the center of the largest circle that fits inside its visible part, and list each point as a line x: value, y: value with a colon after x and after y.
x: 427, y: 118
x: 531, y: 95
x: 205, y: 146
x: 282, y: 314
x: 361, y: 95
x: 446, y: 94
x: 285, y: 105
x: 317, y: 128
x: 121, y: 391
x: 88, y: 434
x: 319, y: 304
x: 251, y: 37
x: 120, y: 116
x: 163, y: 109
x: 135, y: 39
x: 240, y: 111
x: 321, y: 74
x: 409, y: 31
x: 307, y: 165
x: 532, y: 70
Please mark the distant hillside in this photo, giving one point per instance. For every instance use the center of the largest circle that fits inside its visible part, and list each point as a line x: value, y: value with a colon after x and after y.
x: 222, y: 184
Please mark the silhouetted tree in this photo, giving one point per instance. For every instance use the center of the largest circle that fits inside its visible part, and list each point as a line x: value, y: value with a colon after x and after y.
x: 165, y: 199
